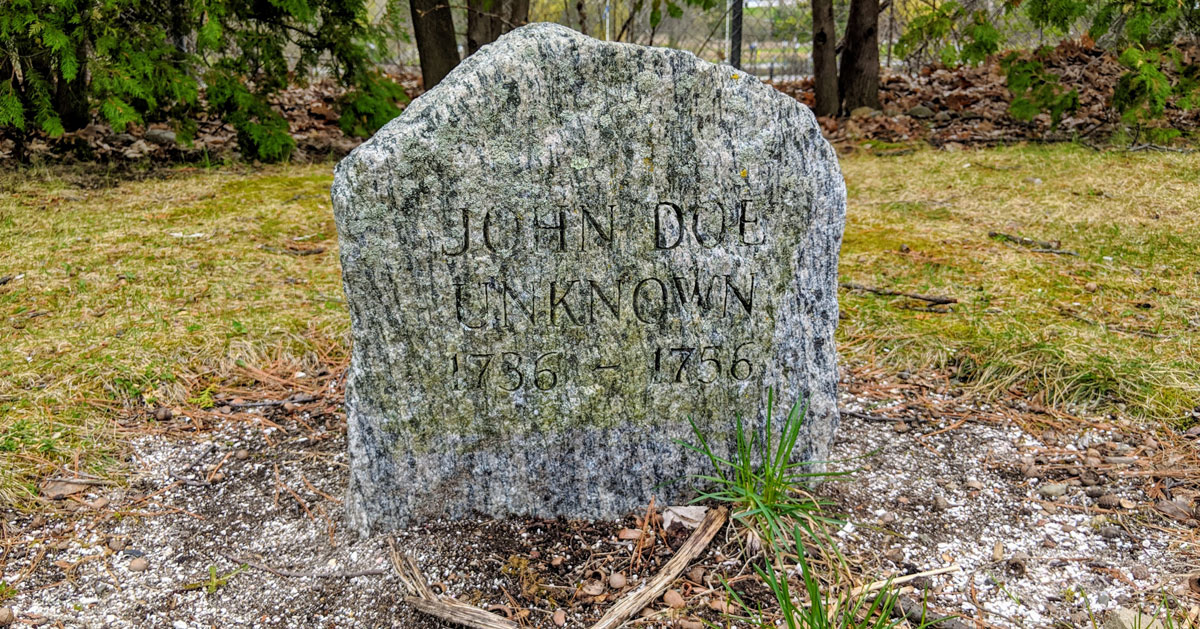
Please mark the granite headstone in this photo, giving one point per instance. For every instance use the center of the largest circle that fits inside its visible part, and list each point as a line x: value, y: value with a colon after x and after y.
x: 562, y: 252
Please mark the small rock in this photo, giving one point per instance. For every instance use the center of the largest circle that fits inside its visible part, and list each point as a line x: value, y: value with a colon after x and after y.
x: 1094, y: 492
x: 1139, y: 572
x: 863, y: 112
x: 1110, y: 531
x: 7, y: 617
x: 592, y: 587
x: 289, y: 406
x: 647, y: 612
x: 241, y: 454
x: 888, y: 518
x: 163, y: 137
x: 674, y: 599
x: 217, y: 477
x: 974, y: 484
x: 940, y: 503
x: 225, y: 410
x: 616, y: 580
x: 688, y: 623
x: 163, y: 414
x: 1109, y: 501
x: 116, y: 544
x: 556, y: 561
x: 998, y: 551
x: 1121, y: 460
x: 696, y: 575
x: 559, y: 617
x: 901, y: 427
x: 1125, y: 618
x: 629, y: 534
x: 139, y: 564
x: 894, y: 555
x: 1050, y: 508
x: 98, y: 503
x: 1054, y: 490
x: 1091, y: 287
x: 920, y: 111
x: 904, y: 248
x: 942, y: 116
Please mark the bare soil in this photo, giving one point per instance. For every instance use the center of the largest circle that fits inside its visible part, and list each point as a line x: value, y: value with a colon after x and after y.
x: 938, y: 481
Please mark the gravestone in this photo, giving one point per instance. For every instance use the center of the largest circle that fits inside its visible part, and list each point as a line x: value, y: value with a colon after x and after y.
x: 562, y: 253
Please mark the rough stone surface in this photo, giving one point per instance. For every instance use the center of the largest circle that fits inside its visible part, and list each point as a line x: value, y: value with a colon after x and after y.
x: 560, y: 254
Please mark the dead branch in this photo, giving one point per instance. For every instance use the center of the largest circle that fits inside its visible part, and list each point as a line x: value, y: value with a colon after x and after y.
x: 933, y: 299
x: 424, y: 600
x: 1034, y: 245
x: 636, y: 601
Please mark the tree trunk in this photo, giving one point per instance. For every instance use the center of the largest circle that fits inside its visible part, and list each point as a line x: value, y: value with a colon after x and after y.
x: 433, y: 26
x: 487, y: 20
x: 824, y: 58
x: 858, y: 83
x: 71, y: 97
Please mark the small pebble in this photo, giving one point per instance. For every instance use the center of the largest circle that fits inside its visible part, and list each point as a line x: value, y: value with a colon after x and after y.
x: 7, y: 617
x: 696, y: 575
x: 688, y: 623
x: 1109, y: 501
x: 559, y: 618
x: 1094, y: 492
x: 974, y: 484
x: 1054, y: 490
x: 116, y: 544
x: 163, y: 414
x: 940, y: 504
x: 241, y: 454
x: 1110, y: 531
x: 901, y: 427
x: 674, y: 599
x: 616, y: 580
x: 99, y: 503
x: 894, y: 555
x: 556, y: 561
x: 1140, y: 572
x: 139, y: 564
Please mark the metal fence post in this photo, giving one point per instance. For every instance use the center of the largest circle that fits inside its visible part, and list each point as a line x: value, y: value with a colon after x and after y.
x: 733, y: 33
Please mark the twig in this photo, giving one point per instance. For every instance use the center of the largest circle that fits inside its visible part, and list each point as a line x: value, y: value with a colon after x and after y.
x: 422, y: 597
x: 297, y: 574
x: 182, y: 476
x: 879, y: 585
x: 1034, y: 246
x: 690, y: 549
x: 303, y: 503
x: 869, y: 418
x: 933, y: 299
x: 1160, y: 148
x: 79, y: 481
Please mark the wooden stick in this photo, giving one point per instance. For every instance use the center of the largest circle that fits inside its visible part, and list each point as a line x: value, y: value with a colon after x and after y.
x: 933, y: 299
x: 879, y: 585
x: 630, y: 605
x: 423, y: 599
x: 460, y: 613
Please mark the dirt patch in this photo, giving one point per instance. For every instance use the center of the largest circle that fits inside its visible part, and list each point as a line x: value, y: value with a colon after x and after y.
x: 953, y: 483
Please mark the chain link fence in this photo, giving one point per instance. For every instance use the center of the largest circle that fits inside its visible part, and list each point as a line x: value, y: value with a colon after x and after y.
x: 773, y: 40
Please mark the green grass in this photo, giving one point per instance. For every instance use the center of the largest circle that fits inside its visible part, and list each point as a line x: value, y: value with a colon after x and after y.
x: 1112, y: 329
x: 120, y: 309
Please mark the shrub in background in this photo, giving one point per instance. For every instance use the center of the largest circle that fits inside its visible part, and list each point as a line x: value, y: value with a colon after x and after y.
x: 140, y: 61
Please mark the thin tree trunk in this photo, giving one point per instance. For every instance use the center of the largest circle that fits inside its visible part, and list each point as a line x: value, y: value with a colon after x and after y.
x: 433, y: 26
x: 824, y: 59
x: 858, y: 83
x: 487, y: 20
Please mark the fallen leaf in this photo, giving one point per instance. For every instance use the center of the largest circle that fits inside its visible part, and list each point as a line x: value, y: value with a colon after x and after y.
x: 59, y: 489
x: 687, y: 517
